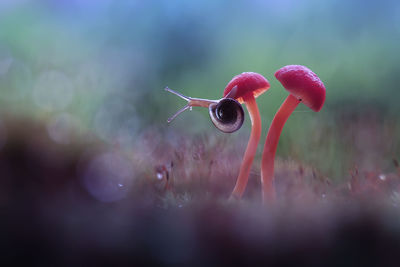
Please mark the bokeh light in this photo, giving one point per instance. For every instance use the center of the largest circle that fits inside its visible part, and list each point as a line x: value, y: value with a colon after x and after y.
x: 108, y: 177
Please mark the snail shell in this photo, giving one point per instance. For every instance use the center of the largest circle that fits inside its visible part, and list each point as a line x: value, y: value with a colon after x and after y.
x: 227, y: 115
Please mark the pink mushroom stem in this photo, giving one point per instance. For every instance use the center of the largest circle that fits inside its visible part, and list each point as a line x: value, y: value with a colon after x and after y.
x: 271, y: 144
x: 251, y: 149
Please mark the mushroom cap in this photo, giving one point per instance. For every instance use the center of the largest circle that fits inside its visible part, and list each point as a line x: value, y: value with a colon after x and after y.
x: 303, y: 84
x: 247, y: 83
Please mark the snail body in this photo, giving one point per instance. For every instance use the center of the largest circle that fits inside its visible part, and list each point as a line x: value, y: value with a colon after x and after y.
x: 226, y: 114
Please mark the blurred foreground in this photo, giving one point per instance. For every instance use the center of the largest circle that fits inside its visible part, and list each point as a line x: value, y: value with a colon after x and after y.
x: 87, y: 203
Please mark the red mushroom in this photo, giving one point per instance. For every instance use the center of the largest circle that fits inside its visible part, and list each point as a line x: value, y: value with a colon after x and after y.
x: 248, y: 86
x: 303, y: 86
x: 227, y: 115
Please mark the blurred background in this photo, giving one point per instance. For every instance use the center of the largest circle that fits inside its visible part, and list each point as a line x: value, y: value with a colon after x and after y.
x: 101, y: 66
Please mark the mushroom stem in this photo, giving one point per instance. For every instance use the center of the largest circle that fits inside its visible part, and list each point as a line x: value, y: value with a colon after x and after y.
x: 251, y: 149
x: 271, y: 143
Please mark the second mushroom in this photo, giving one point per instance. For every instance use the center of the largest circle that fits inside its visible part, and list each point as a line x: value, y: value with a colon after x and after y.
x: 304, y: 86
